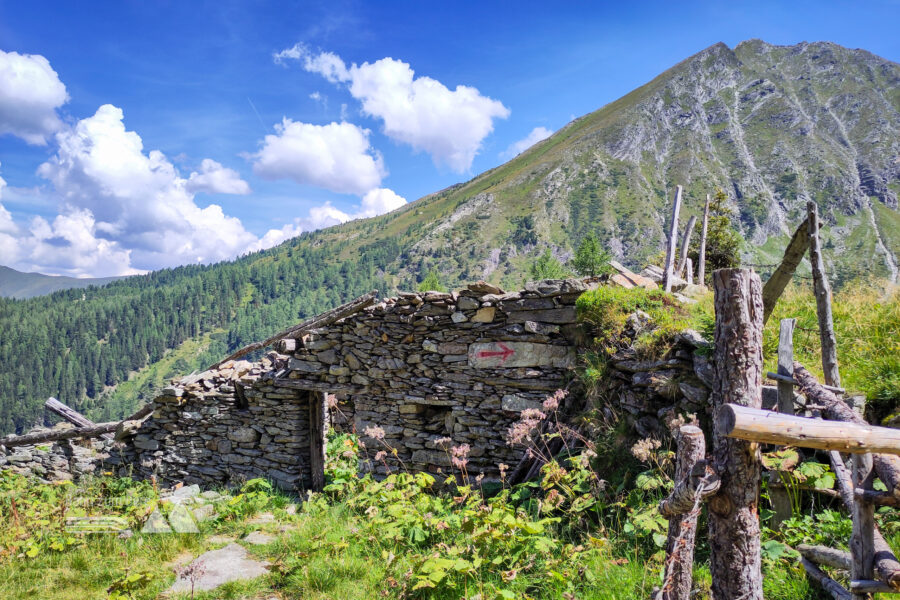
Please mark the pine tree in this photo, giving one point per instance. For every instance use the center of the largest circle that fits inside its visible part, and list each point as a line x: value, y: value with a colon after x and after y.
x: 547, y: 267
x: 591, y: 259
x: 432, y: 283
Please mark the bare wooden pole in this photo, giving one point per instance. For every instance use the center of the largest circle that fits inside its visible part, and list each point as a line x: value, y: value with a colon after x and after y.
x: 673, y: 234
x: 685, y: 245
x: 793, y: 255
x: 734, y: 535
x: 823, y: 299
x: 683, y: 525
x: 689, y: 271
x: 701, y: 262
x: 769, y: 427
x: 862, y: 542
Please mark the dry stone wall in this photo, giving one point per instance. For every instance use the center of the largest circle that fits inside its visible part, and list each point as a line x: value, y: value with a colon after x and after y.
x: 225, y: 426
x: 425, y: 366
x: 57, y: 461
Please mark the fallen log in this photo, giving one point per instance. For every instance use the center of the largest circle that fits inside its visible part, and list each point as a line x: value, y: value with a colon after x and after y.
x: 326, y: 318
x: 825, y: 582
x: 823, y: 555
x: 793, y: 254
x: 886, y: 466
x: 757, y: 425
x: 792, y: 381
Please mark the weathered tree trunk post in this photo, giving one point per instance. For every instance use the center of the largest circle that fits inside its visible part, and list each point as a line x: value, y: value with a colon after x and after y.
x: 683, y: 527
x: 701, y: 260
x: 823, y: 299
x: 685, y: 243
x: 734, y: 535
x: 673, y: 235
x: 689, y: 271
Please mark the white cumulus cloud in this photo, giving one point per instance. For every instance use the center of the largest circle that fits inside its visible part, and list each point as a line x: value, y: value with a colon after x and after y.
x: 30, y: 93
x: 140, y: 212
x: 450, y: 125
x: 213, y: 178
x: 337, y: 156
x: 537, y: 134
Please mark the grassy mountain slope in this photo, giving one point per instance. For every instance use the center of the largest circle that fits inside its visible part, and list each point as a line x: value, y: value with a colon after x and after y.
x: 771, y: 125
x: 15, y: 284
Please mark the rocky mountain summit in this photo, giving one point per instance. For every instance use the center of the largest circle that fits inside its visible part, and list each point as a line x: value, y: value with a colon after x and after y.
x: 773, y: 126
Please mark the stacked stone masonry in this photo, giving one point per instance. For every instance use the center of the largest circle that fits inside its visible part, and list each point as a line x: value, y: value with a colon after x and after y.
x: 226, y: 426
x: 419, y: 366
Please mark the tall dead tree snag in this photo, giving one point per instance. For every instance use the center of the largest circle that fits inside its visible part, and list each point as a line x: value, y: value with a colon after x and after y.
x: 734, y: 534
x: 701, y: 260
x: 823, y: 299
x: 673, y: 239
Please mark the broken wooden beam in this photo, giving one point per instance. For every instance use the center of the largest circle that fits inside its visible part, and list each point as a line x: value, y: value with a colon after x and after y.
x: 76, y: 432
x: 756, y: 425
x: 70, y: 414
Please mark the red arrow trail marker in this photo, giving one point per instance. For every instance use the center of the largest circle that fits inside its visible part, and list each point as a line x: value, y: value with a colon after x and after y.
x: 505, y: 353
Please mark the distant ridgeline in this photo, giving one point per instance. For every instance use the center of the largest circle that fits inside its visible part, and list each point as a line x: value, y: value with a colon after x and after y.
x: 77, y: 344
x: 15, y: 284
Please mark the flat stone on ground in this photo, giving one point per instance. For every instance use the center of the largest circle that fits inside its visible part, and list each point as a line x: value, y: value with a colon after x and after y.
x: 261, y: 518
x: 258, y: 538
x: 230, y: 563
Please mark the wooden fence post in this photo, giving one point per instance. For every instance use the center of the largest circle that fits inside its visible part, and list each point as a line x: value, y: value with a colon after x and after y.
x: 689, y: 271
x: 673, y: 235
x: 683, y: 527
x: 823, y: 299
x: 701, y: 266
x: 862, y: 540
x: 781, y: 500
x: 734, y: 535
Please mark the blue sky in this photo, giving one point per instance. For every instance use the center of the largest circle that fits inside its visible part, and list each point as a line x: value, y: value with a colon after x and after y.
x: 86, y: 195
